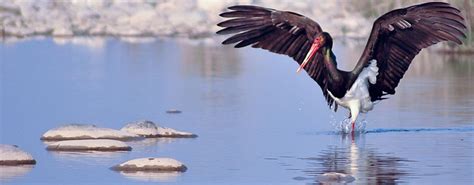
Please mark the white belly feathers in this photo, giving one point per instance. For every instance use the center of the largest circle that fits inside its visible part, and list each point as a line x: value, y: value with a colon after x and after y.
x: 357, y: 98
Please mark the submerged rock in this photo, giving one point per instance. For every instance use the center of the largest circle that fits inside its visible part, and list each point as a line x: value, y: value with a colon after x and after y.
x: 12, y: 155
x: 151, y: 164
x: 149, y: 129
x: 85, y: 131
x: 173, y: 111
x: 89, y: 144
x: 335, y: 177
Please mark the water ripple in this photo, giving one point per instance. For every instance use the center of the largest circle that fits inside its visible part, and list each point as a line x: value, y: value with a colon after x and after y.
x: 454, y: 129
x: 388, y: 130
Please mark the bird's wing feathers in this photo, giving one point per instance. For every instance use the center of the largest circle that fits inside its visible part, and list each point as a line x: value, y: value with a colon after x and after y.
x: 398, y: 36
x: 277, y: 31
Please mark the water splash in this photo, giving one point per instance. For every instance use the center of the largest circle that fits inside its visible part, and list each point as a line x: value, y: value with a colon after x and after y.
x: 345, y: 126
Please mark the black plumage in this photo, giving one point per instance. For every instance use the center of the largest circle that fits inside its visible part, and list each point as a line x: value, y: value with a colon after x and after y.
x: 396, y: 38
x: 280, y: 32
x: 394, y: 49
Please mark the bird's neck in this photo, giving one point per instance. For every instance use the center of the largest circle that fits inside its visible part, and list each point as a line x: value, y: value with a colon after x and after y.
x: 337, y: 78
x: 331, y: 66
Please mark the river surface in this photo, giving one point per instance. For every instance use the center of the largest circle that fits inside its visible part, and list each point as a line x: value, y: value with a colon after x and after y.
x: 258, y: 121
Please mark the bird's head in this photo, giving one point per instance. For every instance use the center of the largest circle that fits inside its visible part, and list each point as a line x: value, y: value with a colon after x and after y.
x: 322, y: 40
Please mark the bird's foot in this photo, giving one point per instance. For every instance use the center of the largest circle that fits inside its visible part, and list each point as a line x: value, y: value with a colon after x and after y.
x: 353, y: 133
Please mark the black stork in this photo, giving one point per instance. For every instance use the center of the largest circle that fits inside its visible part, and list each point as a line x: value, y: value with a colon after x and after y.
x: 396, y: 38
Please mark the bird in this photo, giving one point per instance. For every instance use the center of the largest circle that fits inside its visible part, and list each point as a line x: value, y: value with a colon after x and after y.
x: 395, y: 39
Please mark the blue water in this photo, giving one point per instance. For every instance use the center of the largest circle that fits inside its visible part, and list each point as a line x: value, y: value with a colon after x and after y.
x: 258, y: 121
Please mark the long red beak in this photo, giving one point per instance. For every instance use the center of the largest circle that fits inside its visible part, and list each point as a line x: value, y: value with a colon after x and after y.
x: 314, y: 47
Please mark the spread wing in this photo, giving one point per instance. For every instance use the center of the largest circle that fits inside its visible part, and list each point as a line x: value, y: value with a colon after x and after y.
x: 277, y: 31
x: 398, y: 36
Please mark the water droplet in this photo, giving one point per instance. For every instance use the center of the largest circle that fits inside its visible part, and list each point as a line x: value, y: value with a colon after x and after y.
x: 345, y: 126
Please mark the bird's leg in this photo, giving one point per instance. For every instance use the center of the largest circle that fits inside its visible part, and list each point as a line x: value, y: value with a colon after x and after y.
x: 353, y: 131
x: 352, y: 122
x: 354, y: 109
x: 353, y: 126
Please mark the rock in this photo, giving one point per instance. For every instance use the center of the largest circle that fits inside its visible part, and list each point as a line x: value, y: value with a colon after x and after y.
x: 84, y: 131
x: 149, y: 129
x: 143, y: 128
x: 332, y: 177
x: 62, y: 31
x: 12, y: 155
x: 151, y: 164
x: 161, y: 18
x: 89, y: 144
x: 169, y: 132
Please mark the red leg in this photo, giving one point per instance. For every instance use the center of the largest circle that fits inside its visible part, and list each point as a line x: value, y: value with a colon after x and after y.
x: 353, y: 131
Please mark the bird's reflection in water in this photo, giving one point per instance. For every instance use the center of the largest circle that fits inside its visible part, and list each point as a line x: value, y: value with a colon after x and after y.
x: 364, y: 163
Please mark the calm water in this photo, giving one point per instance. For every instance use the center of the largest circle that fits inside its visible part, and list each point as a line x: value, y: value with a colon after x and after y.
x: 258, y: 121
